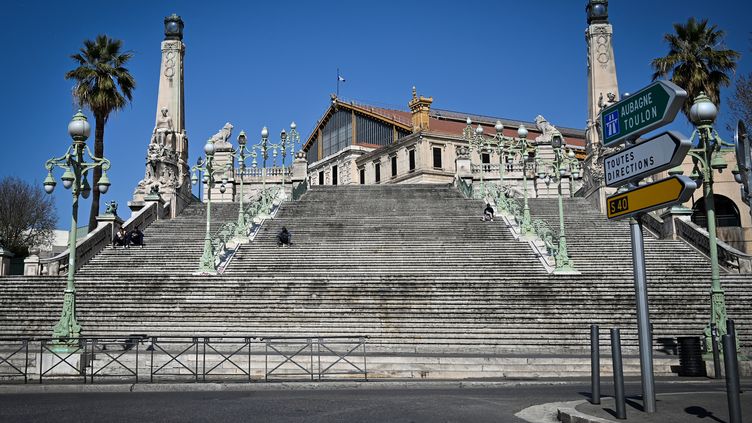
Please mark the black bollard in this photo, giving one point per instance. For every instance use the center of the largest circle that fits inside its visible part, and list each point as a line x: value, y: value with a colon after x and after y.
x: 730, y: 328
x: 621, y: 406
x: 595, y: 366
x: 732, y: 378
x: 716, y: 352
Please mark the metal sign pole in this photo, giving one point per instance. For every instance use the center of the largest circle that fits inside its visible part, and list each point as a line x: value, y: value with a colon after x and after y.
x: 644, y: 333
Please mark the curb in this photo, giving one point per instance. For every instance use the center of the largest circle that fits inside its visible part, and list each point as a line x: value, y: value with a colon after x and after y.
x: 285, y: 386
x: 571, y: 415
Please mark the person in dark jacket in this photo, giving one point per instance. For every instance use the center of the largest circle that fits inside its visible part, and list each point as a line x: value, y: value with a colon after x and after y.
x: 284, y: 238
x: 488, y: 213
x: 136, y: 237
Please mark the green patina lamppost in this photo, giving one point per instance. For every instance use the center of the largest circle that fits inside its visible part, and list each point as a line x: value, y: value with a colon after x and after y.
x: 206, y: 166
x: 706, y: 159
x: 565, y: 164
x: 286, y: 143
x: 76, y: 169
x: 241, y: 229
x: 476, y: 141
x: 263, y: 148
x: 520, y: 148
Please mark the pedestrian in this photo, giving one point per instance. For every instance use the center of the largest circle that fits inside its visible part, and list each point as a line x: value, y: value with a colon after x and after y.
x: 121, y: 238
x: 284, y: 238
x: 488, y: 213
x: 136, y: 237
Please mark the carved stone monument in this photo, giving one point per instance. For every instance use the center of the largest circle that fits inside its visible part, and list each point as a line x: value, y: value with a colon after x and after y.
x: 603, y: 90
x: 167, y: 171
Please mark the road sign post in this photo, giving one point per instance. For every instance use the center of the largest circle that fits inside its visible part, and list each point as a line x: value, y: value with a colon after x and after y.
x: 624, y: 121
x: 648, y: 109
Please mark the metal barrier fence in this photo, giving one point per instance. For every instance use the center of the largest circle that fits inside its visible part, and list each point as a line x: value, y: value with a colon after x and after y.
x: 195, y: 359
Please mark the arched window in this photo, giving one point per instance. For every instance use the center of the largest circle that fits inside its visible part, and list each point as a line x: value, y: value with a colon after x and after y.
x: 726, y: 212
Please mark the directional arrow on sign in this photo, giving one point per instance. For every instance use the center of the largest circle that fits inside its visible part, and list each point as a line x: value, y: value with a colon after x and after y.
x: 659, y: 153
x: 675, y: 189
x: 647, y: 109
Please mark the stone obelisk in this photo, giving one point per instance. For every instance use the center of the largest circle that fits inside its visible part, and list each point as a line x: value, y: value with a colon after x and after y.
x: 603, y: 90
x: 166, y: 178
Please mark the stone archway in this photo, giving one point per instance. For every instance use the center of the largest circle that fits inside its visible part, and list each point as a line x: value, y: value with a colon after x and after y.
x: 728, y: 220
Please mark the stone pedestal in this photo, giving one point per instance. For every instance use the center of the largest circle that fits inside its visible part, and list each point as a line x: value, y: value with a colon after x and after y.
x: 299, y: 169
x: 462, y: 164
x: 669, y: 220
x: 32, y: 266
x: 111, y: 219
x: 5, y: 257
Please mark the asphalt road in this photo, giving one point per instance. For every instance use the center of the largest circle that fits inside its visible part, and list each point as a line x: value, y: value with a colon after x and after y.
x: 497, y: 404
x: 379, y: 405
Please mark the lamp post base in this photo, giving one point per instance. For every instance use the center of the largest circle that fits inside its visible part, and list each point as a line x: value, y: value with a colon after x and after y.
x: 67, y: 330
x: 207, y: 258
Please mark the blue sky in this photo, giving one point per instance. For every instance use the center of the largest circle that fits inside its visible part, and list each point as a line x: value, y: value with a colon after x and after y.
x: 268, y: 63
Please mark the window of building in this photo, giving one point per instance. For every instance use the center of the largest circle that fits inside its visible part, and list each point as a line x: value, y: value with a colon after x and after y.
x: 377, y: 171
x: 485, y: 158
x: 437, y: 157
x: 362, y: 172
x: 394, y: 166
x: 411, y: 159
x: 334, y: 175
x: 321, y: 178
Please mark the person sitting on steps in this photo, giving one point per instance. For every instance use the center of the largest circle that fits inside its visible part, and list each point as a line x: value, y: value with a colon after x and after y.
x: 284, y: 238
x: 136, y: 237
x: 121, y: 238
x: 488, y: 213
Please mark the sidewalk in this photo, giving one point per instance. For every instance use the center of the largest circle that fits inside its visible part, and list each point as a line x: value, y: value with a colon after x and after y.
x: 685, y: 407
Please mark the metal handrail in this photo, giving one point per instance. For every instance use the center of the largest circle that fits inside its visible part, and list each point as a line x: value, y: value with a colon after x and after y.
x: 92, y: 358
x: 465, y: 188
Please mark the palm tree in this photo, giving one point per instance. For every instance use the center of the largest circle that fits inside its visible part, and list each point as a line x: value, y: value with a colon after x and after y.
x: 697, y: 60
x: 103, y: 85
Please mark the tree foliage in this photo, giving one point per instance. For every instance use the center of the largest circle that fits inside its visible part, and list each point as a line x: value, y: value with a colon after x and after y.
x: 27, y: 215
x: 740, y: 102
x: 104, y: 85
x: 697, y: 60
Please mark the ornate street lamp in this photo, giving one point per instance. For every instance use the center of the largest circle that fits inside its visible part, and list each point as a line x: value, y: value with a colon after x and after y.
x: 74, y: 177
x: 706, y: 159
x: 207, y: 167
x: 241, y: 229
x: 565, y: 164
x: 520, y: 148
x: 476, y: 141
x: 262, y: 147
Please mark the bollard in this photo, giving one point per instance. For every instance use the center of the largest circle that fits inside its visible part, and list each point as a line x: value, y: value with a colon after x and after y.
x: 716, y: 353
x: 732, y: 378
x: 621, y: 407
x: 595, y: 366
x: 730, y: 328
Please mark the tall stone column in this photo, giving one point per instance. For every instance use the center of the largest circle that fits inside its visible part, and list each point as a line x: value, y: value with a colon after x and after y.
x: 167, y: 172
x: 603, y: 90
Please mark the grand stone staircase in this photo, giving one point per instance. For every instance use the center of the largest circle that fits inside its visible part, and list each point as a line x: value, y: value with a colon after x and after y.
x: 412, y: 267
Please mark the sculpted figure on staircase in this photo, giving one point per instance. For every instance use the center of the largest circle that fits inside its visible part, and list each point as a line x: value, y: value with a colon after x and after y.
x: 547, y: 130
x: 220, y: 138
x: 164, y: 131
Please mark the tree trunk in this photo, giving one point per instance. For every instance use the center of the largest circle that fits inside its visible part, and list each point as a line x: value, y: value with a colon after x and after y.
x: 99, y: 153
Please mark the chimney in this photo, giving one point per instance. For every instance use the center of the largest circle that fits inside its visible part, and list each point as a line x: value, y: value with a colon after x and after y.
x: 420, y: 107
